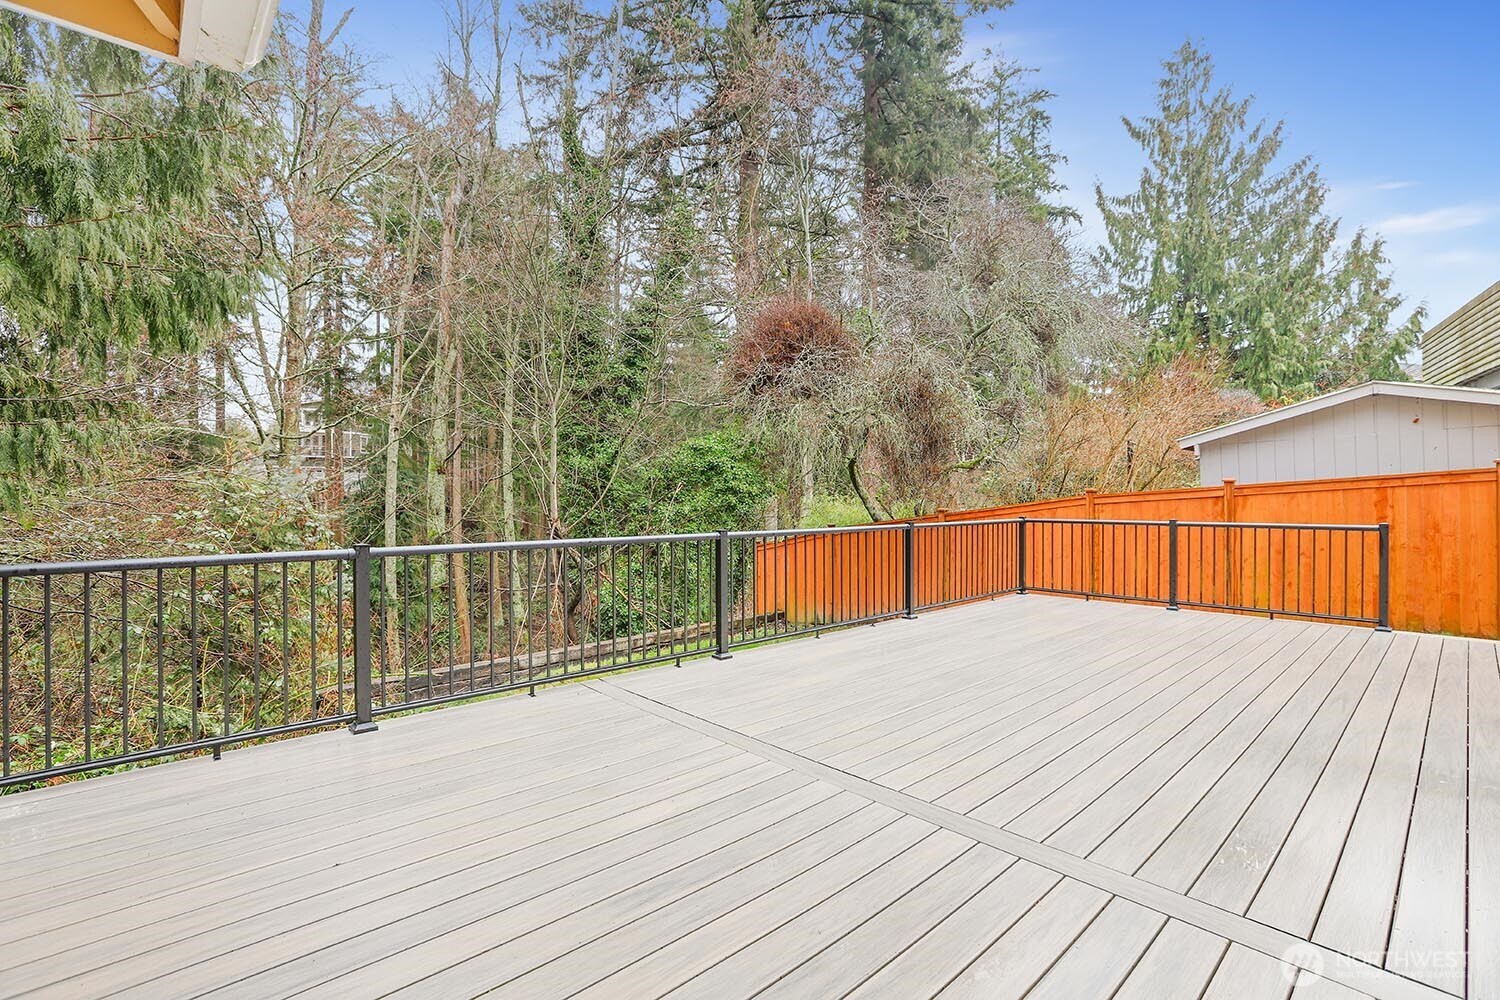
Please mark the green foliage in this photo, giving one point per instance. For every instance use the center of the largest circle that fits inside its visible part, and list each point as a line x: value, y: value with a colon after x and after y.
x: 1018, y: 147
x: 709, y: 483
x: 113, y: 165
x: 363, y: 508
x: 917, y: 125
x: 1223, y: 249
x: 614, y: 381
x: 837, y: 509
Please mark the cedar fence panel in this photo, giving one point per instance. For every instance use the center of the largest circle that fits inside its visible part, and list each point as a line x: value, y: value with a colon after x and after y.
x: 1445, y: 552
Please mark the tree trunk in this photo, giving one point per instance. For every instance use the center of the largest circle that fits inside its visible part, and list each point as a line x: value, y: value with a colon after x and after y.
x: 294, y: 333
x: 749, y: 38
x: 447, y: 358
x: 872, y: 506
x: 294, y: 346
x: 392, y: 459
x: 221, y: 398
x: 508, y: 483
x: 870, y: 194
x: 456, y: 519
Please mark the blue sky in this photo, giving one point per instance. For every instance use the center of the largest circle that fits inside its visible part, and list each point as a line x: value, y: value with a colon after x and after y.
x: 1395, y: 101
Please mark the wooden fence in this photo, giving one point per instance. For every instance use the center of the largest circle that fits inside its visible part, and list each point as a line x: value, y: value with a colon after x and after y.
x: 1444, y: 541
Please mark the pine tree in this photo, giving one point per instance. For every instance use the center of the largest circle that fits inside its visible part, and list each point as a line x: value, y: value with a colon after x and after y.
x: 116, y: 168
x: 1223, y: 248
x: 1017, y: 144
x: 916, y: 121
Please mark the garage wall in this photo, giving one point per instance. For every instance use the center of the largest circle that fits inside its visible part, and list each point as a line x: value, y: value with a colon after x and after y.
x: 1371, y: 436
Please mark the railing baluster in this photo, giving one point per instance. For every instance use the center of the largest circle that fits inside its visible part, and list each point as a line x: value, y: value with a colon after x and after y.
x: 1383, y: 613
x: 224, y: 628
x: 5, y: 677
x: 1172, y: 565
x: 47, y: 670
x: 88, y: 669
x: 363, y: 710
x: 908, y: 573
x: 286, y: 646
x: 124, y: 662
x: 721, y: 597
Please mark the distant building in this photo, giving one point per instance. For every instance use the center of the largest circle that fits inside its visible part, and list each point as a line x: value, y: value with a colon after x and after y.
x: 318, y: 444
x: 1378, y: 428
x: 1464, y: 349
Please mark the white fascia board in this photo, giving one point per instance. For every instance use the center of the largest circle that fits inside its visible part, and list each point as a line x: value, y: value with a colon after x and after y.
x: 231, y: 34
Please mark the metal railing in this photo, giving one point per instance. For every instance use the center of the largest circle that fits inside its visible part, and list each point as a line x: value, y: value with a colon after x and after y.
x: 110, y: 663
x: 1320, y: 571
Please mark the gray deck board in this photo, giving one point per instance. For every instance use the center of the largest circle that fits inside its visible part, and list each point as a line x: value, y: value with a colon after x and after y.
x: 1484, y: 819
x: 1355, y: 917
x: 1244, y: 973
x: 1428, y: 930
x: 1176, y: 966
x: 1298, y: 879
x: 1030, y: 797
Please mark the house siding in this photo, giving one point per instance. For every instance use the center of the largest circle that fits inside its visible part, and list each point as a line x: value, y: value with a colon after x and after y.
x: 1464, y: 349
x: 1369, y: 436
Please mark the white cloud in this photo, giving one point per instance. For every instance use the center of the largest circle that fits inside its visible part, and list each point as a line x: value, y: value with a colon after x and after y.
x: 1438, y: 220
x: 1465, y: 258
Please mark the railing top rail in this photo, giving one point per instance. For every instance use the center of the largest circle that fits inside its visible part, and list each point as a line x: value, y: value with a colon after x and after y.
x: 1285, y: 525
x: 12, y: 570
x: 170, y: 562
x: 786, y: 532
x: 536, y: 543
x: 1095, y: 520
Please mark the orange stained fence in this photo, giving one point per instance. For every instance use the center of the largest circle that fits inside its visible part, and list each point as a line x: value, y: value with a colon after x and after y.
x: 1444, y: 552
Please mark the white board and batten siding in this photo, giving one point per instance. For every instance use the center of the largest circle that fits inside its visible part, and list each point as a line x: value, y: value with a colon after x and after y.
x: 1379, y: 428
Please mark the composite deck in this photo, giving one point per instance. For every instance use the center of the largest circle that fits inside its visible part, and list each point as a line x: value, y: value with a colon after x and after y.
x: 1035, y: 797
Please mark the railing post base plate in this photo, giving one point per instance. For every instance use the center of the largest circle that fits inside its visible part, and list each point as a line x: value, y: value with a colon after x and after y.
x: 723, y: 656
x: 362, y: 727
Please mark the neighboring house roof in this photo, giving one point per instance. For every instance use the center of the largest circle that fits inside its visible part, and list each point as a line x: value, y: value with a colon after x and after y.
x: 1412, y: 390
x: 1466, y: 345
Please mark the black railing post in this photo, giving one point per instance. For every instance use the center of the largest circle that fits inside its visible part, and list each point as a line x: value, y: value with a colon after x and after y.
x: 909, y: 568
x: 1021, y: 555
x: 364, y: 720
x: 1385, y: 577
x: 1171, y: 565
x: 721, y: 596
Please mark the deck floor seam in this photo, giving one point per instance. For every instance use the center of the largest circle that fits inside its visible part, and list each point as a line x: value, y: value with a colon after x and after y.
x: 1242, y: 930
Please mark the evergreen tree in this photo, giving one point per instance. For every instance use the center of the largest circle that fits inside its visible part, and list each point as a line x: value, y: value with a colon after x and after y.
x: 116, y: 168
x: 1017, y: 144
x: 1222, y: 248
x: 916, y: 121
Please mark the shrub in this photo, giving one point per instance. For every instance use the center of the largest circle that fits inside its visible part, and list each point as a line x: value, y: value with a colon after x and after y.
x: 790, y: 348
